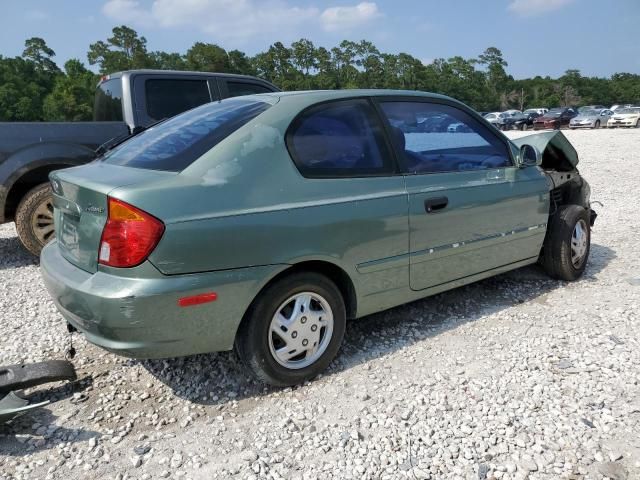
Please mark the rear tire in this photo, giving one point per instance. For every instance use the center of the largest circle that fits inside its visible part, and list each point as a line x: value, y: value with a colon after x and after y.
x: 567, y: 244
x: 34, y: 219
x: 281, y: 323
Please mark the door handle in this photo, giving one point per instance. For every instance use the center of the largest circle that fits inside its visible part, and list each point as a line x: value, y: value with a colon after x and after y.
x: 435, y: 203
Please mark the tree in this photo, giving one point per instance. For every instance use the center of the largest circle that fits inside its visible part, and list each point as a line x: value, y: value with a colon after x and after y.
x: 207, y: 57
x: 240, y: 63
x: 37, y: 52
x: 125, y: 50
x: 167, y: 61
x: 72, y: 95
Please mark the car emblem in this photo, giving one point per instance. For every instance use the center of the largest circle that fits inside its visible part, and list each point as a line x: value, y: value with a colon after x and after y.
x: 92, y: 209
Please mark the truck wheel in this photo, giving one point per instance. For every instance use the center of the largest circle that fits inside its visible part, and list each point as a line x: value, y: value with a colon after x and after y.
x: 34, y: 219
x: 567, y: 244
x: 293, y: 330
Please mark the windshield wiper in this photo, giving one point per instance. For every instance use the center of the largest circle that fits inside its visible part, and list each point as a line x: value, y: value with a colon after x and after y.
x: 115, y: 141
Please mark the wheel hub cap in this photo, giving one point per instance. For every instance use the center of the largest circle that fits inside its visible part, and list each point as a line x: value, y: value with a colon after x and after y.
x: 42, y: 222
x: 301, y: 330
x: 579, y: 243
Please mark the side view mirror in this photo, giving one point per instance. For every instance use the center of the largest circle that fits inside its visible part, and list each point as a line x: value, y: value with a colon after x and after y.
x: 530, y: 156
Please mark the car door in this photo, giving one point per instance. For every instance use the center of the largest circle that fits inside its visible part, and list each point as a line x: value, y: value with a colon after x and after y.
x: 470, y: 208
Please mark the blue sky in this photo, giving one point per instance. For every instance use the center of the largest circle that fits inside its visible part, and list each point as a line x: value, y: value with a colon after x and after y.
x: 543, y: 37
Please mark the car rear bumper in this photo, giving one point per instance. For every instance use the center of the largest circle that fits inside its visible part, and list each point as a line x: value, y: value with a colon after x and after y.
x: 139, y: 316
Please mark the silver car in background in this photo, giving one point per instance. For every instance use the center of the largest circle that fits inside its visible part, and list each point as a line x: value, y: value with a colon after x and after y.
x: 592, y: 118
x: 495, y: 118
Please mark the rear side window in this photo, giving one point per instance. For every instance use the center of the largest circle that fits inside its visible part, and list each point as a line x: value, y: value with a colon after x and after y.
x: 166, y: 98
x: 431, y: 138
x: 339, y: 139
x: 175, y: 144
x: 107, y: 106
x: 237, y: 89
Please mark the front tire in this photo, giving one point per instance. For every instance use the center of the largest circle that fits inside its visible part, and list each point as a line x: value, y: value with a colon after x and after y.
x: 34, y: 219
x: 293, y: 330
x: 597, y: 124
x: 567, y: 244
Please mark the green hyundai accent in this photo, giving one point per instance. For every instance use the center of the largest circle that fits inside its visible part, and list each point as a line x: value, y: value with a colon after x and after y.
x: 265, y: 222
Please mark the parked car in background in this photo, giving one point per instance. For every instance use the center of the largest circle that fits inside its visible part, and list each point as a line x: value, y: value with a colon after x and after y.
x: 591, y: 107
x: 617, y: 107
x: 625, y: 117
x: 594, y: 118
x: 519, y: 121
x: 539, y: 111
x: 495, y: 118
x: 554, y: 118
x: 264, y: 222
x: 125, y: 104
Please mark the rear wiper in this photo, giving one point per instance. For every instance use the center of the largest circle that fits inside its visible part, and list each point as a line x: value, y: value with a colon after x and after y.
x: 115, y: 141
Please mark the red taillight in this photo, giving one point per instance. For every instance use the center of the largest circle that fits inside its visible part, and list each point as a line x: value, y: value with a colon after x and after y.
x: 129, y: 235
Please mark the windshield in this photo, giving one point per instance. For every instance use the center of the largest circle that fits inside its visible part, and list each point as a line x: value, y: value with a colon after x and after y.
x: 175, y: 144
x: 107, y: 105
x: 628, y: 110
x: 554, y: 112
x: 589, y: 113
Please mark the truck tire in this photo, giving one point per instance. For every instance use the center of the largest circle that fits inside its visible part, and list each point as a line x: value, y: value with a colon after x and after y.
x: 293, y: 330
x: 34, y: 219
x: 567, y: 244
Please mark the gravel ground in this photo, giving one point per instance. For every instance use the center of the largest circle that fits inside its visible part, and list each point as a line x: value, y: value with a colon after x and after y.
x: 513, y: 377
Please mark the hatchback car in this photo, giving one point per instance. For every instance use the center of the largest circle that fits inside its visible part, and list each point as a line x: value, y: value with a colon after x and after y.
x: 264, y: 222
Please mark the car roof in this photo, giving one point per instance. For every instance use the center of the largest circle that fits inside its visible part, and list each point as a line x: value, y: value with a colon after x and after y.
x: 321, y: 95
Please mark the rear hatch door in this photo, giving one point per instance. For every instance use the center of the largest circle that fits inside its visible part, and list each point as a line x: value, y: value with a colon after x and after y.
x: 80, y: 206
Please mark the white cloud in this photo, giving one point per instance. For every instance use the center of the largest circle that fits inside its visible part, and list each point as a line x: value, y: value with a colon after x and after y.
x: 346, y: 18
x: 239, y: 19
x: 528, y: 8
x: 126, y: 11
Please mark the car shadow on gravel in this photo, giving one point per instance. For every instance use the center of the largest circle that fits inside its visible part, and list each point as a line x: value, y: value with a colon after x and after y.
x: 13, y: 255
x: 219, y: 378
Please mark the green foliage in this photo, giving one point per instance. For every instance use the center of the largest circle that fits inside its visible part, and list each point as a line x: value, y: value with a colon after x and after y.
x: 72, y: 96
x: 125, y: 50
x: 32, y: 87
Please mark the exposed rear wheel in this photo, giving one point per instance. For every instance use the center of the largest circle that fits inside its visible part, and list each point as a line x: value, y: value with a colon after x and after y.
x: 293, y: 330
x: 34, y: 219
x: 567, y: 244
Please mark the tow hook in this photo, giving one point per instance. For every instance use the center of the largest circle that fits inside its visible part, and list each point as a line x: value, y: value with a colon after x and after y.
x: 70, y: 352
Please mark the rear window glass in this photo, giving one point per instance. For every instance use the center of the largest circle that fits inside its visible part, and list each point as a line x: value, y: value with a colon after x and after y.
x: 339, y: 139
x: 166, y: 98
x: 175, y: 144
x: 237, y: 89
x: 107, y: 105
